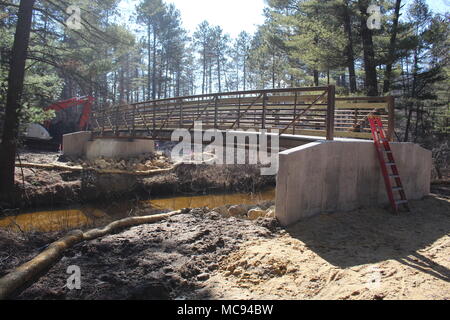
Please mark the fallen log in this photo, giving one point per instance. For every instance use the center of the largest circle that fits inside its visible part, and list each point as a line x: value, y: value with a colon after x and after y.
x: 55, y: 166
x: 126, y: 223
x: 24, y: 276
x: 52, y: 166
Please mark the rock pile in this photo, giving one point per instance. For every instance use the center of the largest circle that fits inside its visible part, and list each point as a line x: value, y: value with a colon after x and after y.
x: 144, y: 162
x: 251, y: 212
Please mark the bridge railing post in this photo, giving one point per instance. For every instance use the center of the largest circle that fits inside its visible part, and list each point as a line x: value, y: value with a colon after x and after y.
x: 154, y: 120
x: 117, y: 120
x: 239, y: 113
x: 331, y: 108
x: 263, y: 125
x: 181, y: 112
x: 104, y: 119
x: 133, y: 124
x: 216, y: 110
x: 294, y: 127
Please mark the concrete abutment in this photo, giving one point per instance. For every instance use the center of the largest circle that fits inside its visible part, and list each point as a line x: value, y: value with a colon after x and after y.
x: 83, y: 144
x: 325, y: 177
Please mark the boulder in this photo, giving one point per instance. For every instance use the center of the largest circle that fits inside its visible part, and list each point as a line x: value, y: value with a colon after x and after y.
x: 239, y: 210
x: 159, y: 163
x: 149, y: 163
x: 101, y: 163
x: 221, y: 210
x: 257, y: 213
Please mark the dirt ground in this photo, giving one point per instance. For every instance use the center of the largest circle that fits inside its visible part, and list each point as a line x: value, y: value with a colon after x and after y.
x: 167, y: 260
x: 364, y: 254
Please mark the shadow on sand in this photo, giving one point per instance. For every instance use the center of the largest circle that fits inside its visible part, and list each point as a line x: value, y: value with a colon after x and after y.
x: 369, y: 236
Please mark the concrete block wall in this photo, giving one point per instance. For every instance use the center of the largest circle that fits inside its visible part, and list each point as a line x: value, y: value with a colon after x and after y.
x: 117, y: 148
x: 336, y: 176
x: 81, y: 144
x: 74, y: 143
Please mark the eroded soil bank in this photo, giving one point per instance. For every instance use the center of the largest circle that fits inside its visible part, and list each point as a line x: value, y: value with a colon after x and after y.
x: 203, y: 254
x: 44, y: 188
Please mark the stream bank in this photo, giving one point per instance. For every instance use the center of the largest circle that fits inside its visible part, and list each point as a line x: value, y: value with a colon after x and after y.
x: 91, y: 216
x: 202, y: 254
x: 48, y: 189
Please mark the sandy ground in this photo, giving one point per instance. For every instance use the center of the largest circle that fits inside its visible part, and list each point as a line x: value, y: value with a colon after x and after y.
x: 364, y: 254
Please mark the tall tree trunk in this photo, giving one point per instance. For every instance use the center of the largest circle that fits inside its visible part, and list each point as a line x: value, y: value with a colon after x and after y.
x: 204, y: 71
x: 219, y: 73
x: 245, y: 73
x: 160, y: 75
x: 408, y: 124
x: 154, y: 66
x: 413, y: 96
x: 343, y: 80
x: 210, y: 76
x: 349, y: 49
x: 128, y: 77
x: 390, y: 62
x: 114, y: 88
x: 371, y: 82
x: 121, y: 85
x: 166, y: 84
x: 149, y: 66
x: 273, y: 70
x: 178, y: 83
x: 316, y: 78
x: 15, y: 87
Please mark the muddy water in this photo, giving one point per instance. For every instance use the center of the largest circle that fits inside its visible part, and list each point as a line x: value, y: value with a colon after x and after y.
x: 212, y: 201
x: 61, y: 220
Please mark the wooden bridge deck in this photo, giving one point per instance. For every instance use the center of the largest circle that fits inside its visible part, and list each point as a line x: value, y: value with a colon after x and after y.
x: 313, y: 111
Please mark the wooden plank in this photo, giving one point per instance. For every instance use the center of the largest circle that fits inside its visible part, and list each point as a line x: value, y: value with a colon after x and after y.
x: 351, y: 105
x: 358, y: 135
x: 369, y: 99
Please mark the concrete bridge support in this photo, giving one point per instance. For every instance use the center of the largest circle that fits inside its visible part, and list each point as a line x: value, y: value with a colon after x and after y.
x: 329, y: 176
x: 83, y: 144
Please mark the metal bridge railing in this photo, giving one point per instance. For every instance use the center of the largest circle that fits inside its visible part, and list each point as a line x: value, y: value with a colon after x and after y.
x: 309, y: 111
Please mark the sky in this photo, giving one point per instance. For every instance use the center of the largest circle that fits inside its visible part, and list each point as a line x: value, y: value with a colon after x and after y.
x: 235, y: 16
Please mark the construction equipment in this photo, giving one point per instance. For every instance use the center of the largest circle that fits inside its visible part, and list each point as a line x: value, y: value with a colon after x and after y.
x: 40, y: 137
x: 85, y: 115
x: 35, y: 131
x: 40, y: 133
x: 387, y: 161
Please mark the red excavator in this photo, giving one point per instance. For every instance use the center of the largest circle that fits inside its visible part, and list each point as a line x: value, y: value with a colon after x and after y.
x: 62, y: 105
x: 36, y: 132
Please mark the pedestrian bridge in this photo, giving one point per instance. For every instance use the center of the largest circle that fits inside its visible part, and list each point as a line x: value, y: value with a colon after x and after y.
x: 310, y: 111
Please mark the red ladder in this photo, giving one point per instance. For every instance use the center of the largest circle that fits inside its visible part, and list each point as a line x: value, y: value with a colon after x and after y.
x: 384, y: 148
